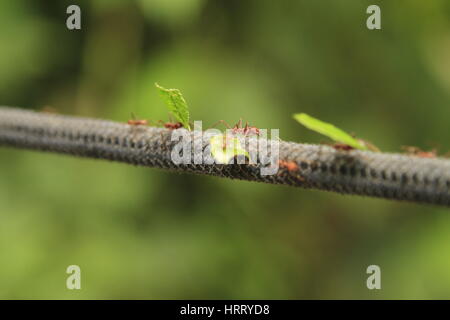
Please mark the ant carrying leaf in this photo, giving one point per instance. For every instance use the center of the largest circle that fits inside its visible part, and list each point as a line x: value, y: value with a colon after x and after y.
x: 344, y: 140
x: 176, y: 104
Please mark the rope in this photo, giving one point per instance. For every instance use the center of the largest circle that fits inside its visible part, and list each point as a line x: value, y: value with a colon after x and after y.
x: 383, y: 175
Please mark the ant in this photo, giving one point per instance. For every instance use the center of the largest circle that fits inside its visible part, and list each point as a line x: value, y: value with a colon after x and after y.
x: 339, y: 146
x: 171, y: 125
x: 342, y: 146
x: 369, y: 145
x: 137, y: 122
x: 239, y: 129
x: 289, y: 165
x: 346, y: 147
x: 415, y: 151
x: 168, y: 125
x: 366, y: 143
x: 49, y: 109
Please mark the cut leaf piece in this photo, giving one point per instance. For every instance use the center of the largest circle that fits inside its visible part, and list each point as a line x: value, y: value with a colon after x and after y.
x: 224, y: 149
x: 329, y: 130
x: 176, y: 104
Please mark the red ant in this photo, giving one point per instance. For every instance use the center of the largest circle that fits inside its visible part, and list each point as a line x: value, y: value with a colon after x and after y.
x: 339, y: 146
x: 420, y: 153
x: 346, y: 147
x: 171, y: 125
x: 49, y: 109
x: 425, y: 154
x: 342, y: 146
x: 239, y: 129
x: 289, y: 165
x: 136, y: 122
x: 167, y: 125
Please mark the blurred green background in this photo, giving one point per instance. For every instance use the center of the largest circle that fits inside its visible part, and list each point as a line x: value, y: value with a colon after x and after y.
x: 144, y: 233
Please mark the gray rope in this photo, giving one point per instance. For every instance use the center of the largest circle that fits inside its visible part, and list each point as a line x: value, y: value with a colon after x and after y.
x: 392, y: 176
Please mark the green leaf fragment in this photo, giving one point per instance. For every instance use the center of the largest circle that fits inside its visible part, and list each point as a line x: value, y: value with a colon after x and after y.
x: 329, y: 130
x: 224, y: 149
x: 176, y: 104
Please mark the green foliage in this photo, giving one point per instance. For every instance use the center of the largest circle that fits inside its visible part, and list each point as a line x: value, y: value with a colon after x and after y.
x: 329, y: 130
x: 223, y: 149
x: 176, y: 104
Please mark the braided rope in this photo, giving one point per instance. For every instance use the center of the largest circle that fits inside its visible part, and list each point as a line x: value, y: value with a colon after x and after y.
x: 391, y: 176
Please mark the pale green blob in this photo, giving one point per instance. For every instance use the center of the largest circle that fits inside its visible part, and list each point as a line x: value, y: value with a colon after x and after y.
x: 223, y: 150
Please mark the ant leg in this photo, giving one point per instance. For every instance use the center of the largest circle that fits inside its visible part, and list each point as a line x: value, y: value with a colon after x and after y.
x: 220, y: 122
x: 225, y: 124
